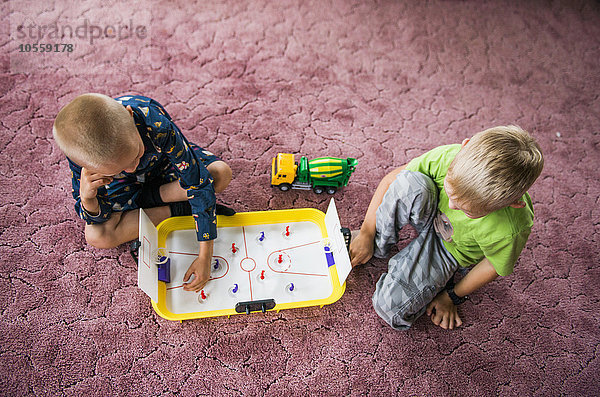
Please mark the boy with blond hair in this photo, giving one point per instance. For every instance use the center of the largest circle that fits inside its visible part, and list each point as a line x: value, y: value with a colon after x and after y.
x: 126, y: 153
x: 469, y: 205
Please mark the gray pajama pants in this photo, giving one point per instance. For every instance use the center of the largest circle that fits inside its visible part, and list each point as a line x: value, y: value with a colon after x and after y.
x: 421, y: 270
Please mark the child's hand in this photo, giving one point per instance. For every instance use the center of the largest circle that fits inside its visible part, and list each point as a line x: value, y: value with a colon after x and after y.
x: 361, y: 249
x: 443, y: 312
x: 201, y: 271
x: 200, y: 268
x: 90, y: 182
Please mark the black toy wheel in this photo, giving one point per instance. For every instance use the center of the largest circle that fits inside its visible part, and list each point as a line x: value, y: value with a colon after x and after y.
x: 318, y: 189
x: 284, y: 187
x: 331, y: 190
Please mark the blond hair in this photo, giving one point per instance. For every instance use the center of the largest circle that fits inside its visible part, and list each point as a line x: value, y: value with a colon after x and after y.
x: 90, y: 129
x: 495, y: 168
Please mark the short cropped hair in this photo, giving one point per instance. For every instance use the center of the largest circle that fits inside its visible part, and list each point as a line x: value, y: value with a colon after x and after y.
x: 90, y: 129
x: 495, y: 168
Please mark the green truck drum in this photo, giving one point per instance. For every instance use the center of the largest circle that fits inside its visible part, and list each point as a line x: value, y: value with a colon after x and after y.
x: 326, y: 171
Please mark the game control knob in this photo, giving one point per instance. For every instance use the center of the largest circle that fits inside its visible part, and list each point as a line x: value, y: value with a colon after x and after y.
x: 280, y: 261
x: 260, y: 238
x: 261, y: 276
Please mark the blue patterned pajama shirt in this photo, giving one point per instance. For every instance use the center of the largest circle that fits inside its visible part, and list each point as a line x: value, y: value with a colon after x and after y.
x: 168, y: 157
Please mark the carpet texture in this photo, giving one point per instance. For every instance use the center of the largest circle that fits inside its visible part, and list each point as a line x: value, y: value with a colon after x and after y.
x: 381, y: 81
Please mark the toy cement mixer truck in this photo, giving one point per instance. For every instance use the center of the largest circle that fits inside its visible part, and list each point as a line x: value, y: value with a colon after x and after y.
x: 323, y: 174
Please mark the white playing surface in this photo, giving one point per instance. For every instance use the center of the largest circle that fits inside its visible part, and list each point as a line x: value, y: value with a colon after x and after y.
x: 298, y: 259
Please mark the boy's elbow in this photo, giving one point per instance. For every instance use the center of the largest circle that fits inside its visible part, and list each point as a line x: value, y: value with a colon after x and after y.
x: 222, y: 175
x: 489, y: 269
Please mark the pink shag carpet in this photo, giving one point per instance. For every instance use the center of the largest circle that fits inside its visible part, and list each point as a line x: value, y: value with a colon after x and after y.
x: 381, y: 81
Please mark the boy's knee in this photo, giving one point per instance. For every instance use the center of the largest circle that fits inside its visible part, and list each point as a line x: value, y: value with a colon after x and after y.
x: 417, y: 182
x: 419, y: 194
x: 221, y: 173
x: 96, y: 236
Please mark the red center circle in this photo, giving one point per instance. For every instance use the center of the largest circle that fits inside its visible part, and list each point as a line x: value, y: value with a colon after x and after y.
x: 248, y: 264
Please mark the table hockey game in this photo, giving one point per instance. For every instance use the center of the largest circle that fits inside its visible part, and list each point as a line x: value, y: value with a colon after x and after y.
x: 267, y: 260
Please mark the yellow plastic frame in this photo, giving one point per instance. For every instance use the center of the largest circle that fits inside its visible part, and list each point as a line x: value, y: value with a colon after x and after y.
x: 245, y: 219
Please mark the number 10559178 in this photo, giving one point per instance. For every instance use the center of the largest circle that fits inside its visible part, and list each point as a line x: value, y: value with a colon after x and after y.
x: 46, y: 47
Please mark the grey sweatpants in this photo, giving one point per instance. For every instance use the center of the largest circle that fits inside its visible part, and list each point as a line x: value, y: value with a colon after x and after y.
x: 421, y: 270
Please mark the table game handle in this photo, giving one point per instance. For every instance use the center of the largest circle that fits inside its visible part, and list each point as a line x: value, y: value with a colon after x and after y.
x: 255, y: 306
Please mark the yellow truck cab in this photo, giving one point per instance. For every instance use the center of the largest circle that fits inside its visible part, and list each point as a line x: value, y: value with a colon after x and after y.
x: 283, y: 170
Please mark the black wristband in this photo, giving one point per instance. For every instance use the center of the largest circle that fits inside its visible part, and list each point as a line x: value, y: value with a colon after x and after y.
x: 457, y: 300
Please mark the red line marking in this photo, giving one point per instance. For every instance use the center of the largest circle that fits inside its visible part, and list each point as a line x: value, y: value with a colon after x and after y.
x: 298, y: 246
x: 249, y: 273
x: 250, y: 281
x: 248, y: 258
x: 182, y: 253
x: 216, y: 278
x: 244, y: 235
x: 302, y: 274
x: 282, y: 269
x: 297, y: 273
x: 149, y: 252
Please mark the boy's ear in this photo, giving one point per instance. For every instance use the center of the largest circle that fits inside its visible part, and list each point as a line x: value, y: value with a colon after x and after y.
x: 464, y: 142
x: 518, y: 204
x: 130, y: 110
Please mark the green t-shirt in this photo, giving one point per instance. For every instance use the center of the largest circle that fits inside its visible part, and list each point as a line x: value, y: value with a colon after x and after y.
x: 499, y: 236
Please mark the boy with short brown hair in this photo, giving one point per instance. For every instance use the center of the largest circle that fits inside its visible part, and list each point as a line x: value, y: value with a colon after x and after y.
x: 126, y: 153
